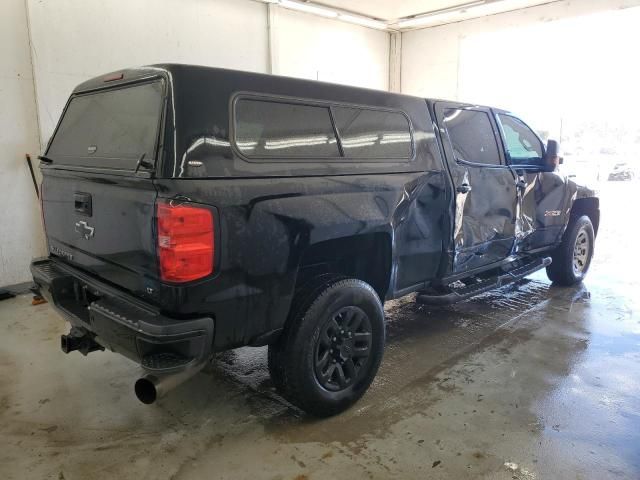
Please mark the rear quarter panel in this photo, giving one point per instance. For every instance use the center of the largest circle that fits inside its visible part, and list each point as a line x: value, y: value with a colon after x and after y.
x: 266, y: 224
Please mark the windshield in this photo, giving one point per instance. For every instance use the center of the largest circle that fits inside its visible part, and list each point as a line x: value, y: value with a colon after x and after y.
x: 109, y: 128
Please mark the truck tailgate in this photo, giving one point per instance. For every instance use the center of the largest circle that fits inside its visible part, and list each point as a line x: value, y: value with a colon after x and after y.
x: 103, y: 225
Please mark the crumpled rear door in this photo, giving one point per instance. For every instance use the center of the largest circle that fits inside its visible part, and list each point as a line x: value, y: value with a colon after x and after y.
x: 486, y: 199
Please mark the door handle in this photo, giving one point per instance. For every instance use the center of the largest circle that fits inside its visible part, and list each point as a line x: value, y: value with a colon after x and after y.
x: 464, y: 188
x: 82, y: 203
x: 521, y: 185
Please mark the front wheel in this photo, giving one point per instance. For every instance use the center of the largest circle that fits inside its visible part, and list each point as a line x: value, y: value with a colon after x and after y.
x: 331, y: 348
x: 571, y: 260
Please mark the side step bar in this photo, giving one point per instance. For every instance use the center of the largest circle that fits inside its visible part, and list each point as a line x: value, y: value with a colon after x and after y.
x: 468, y: 291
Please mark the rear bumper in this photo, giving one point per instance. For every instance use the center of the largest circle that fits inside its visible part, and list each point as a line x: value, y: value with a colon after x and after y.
x: 121, y: 322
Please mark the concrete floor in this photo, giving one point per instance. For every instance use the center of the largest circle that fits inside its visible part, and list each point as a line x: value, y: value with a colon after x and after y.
x: 529, y: 382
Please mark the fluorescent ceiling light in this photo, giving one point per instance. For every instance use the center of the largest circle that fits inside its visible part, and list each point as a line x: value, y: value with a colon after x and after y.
x: 365, y: 22
x: 498, y: 6
x: 308, y: 8
x: 314, y: 9
x: 440, y: 16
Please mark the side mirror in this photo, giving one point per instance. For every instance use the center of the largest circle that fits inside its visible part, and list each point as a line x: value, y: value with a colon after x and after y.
x: 551, y: 158
x: 552, y: 149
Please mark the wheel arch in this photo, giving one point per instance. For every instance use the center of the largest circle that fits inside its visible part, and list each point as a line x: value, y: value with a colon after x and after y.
x: 366, y: 257
x: 589, y: 206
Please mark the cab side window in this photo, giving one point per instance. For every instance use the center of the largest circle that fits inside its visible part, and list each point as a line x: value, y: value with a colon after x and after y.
x: 471, y: 136
x: 522, y: 145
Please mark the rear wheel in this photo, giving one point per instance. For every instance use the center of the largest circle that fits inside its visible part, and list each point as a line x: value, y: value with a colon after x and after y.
x: 572, y: 259
x: 331, y: 348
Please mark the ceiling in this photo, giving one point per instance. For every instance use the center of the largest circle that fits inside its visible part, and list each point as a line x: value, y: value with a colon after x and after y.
x: 392, y: 9
x: 394, y: 12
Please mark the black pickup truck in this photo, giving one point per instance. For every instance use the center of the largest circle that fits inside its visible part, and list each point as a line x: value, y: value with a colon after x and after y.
x: 191, y: 210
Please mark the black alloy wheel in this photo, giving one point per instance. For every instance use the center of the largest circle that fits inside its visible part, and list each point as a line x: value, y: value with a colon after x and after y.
x: 343, y: 348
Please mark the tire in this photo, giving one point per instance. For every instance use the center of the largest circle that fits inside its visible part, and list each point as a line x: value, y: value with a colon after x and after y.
x: 331, y: 348
x: 302, y: 298
x: 578, y: 239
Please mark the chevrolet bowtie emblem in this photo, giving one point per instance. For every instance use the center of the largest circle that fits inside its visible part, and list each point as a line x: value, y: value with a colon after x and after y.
x: 85, y: 230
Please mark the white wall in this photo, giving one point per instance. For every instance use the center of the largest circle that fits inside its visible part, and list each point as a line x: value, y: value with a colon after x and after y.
x: 433, y: 59
x: 73, y: 40
x: 545, y: 63
x: 316, y: 48
x: 20, y: 227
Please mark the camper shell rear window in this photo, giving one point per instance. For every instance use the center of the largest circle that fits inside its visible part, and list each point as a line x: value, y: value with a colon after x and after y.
x: 110, y: 129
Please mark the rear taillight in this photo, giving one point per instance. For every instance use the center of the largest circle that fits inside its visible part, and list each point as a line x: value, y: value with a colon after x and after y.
x: 185, y: 242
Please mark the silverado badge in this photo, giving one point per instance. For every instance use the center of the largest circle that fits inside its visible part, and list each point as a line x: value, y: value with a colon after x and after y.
x: 61, y: 253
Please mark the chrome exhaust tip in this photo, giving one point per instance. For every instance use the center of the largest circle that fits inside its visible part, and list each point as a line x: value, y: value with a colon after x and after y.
x: 150, y: 387
x: 145, y: 389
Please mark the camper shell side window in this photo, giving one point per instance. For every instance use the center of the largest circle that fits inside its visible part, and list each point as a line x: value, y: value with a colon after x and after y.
x: 270, y: 128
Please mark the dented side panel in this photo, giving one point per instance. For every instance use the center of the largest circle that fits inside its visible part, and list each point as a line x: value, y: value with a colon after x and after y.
x: 545, y: 203
x: 485, y: 203
x: 485, y: 227
x: 266, y: 227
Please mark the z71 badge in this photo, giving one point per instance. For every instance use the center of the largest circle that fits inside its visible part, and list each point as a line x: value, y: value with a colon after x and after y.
x: 552, y: 213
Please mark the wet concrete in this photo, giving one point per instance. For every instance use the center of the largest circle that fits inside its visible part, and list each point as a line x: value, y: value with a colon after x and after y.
x: 528, y: 382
